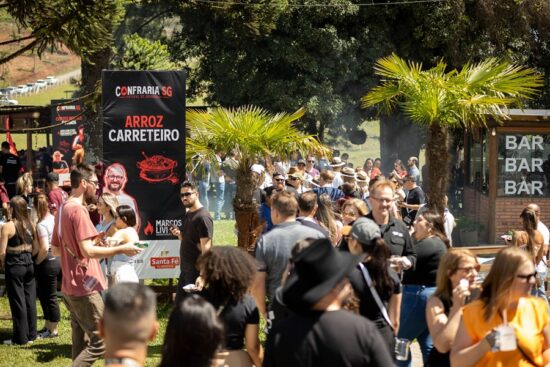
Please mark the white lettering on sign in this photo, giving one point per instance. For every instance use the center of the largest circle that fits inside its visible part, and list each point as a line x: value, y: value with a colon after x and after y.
x: 519, y: 164
x: 525, y: 143
x: 523, y: 188
x: 529, y: 185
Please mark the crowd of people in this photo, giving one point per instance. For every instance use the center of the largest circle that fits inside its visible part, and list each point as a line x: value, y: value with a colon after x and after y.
x: 352, y: 265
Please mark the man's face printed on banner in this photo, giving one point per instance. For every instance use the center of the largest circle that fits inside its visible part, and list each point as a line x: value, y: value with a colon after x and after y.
x: 115, y: 179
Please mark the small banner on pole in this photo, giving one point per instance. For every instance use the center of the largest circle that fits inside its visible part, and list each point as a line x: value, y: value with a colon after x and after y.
x: 68, y: 138
x: 144, y: 158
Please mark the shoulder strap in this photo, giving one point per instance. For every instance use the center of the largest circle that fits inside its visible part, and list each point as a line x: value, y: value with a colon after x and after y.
x: 59, y: 221
x: 375, y: 295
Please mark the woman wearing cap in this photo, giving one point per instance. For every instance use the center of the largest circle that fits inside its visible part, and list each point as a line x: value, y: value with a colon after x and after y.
x: 376, y: 285
x: 228, y: 273
x: 444, y: 308
x: 419, y: 284
x: 505, y: 326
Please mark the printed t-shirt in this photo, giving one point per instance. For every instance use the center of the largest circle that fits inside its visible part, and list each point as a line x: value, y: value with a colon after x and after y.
x: 56, y: 197
x: 10, y: 167
x: 529, y: 320
x: 81, y: 276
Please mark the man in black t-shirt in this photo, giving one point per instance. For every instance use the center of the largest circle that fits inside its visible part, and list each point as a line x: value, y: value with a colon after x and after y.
x: 320, y: 333
x: 195, y: 235
x: 413, y: 201
x: 10, y: 166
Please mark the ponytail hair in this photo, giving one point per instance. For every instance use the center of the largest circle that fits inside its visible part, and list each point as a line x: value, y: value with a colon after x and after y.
x: 377, y: 263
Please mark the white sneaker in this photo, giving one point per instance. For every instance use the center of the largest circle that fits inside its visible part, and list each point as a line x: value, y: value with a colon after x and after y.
x: 10, y: 342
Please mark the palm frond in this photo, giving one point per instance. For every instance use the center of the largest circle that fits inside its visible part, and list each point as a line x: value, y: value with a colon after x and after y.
x: 462, y: 97
x: 254, y: 132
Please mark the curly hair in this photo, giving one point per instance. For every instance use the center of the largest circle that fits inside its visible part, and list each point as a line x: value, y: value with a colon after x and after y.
x: 227, y: 271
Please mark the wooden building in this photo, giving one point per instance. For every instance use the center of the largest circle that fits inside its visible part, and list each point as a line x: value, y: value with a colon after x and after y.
x: 507, y: 166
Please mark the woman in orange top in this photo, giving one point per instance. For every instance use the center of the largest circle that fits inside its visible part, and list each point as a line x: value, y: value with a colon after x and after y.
x: 505, y: 300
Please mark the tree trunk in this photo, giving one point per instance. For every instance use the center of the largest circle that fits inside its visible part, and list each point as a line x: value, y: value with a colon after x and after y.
x: 91, y: 76
x: 399, y: 139
x: 247, y: 216
x: 438, y: 159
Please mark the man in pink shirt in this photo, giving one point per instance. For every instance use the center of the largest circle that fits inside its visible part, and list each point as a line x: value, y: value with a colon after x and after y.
x: 74, y: 239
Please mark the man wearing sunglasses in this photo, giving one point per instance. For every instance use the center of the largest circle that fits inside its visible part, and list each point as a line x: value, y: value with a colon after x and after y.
x: 279, y: 181
x: 195, y: 235
x: 310, y: 167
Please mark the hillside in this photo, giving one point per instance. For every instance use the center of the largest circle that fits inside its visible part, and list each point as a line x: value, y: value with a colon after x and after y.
x: 29, y: 67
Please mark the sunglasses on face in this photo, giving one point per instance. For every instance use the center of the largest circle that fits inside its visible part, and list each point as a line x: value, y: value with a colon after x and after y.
x: 186, y: 194
x: 527, y: 277
x: 311, y: 161
x: 280, y: 179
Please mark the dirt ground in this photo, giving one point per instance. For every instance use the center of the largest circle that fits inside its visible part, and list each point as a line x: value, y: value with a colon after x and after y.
x: 29, y: 67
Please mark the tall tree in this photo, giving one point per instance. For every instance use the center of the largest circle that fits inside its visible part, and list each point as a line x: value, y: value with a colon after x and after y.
x: 441, y: 99
x: 254, y: 133
x: 292, y: 54
x: 281, y: 58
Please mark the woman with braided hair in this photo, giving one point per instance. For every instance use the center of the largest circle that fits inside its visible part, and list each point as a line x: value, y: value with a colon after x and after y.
x: 228, y: 273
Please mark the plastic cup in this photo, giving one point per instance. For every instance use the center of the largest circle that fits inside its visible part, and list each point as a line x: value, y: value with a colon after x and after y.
x: 402, y: 349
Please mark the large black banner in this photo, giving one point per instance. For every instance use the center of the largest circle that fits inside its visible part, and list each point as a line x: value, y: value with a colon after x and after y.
x: 69, y: 138
x: 144, y: 150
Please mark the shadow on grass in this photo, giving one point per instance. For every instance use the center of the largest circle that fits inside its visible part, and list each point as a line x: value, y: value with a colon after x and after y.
x: 5, y: 333
x: 49, y: 351
x: 154, y: 351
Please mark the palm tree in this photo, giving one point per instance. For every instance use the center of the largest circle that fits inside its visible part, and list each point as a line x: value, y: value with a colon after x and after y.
x: 254, y: 133
x: 444, y: 99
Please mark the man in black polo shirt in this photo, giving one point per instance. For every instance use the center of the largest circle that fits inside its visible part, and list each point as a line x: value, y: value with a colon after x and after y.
x: 10, y: 166
x: 394, y: 231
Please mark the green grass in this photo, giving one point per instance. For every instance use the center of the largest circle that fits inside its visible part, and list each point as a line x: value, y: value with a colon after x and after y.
x: 370, y: 149
x: 224, y: 233
x: 57, y: 351
x: 44, y: 97
x: 359, y: 153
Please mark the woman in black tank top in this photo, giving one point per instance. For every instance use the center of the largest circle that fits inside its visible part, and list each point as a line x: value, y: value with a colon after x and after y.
x: 455, y: 284
x: 17, y: 246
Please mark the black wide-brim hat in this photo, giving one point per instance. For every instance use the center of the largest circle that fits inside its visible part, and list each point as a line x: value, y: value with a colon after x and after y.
x: 317, y: 269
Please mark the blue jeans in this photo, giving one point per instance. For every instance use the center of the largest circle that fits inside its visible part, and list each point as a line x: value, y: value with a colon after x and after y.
x: 220, y: 199
x: 540, y: 291
x: 413, y: 319
x: 230, y: 191
x: 203, y: 194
